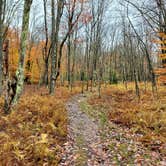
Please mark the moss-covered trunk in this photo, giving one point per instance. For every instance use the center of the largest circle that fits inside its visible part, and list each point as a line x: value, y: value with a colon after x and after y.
x: 23, y: 45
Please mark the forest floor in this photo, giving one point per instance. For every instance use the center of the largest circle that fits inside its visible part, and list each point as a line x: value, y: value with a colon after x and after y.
x: 73, y: 129
x: 36, y: 129
x: 93, y: 140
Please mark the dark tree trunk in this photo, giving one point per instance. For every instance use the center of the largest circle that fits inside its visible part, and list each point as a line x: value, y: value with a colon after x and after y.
x: 68, y: 61
x: 46, y: 50
x: 54, y: 40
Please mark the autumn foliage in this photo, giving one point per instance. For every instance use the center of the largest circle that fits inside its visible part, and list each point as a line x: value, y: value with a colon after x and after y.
x: 161, y: 71
x: 146, y: 118
x: 33, y: 62
x: 35, y: 130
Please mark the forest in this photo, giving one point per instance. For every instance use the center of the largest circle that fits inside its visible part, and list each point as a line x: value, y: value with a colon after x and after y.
x: 82, y: 83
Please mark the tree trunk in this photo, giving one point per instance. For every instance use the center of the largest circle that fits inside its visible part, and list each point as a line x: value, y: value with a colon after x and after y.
x: 99, y: 81
x: 7, y: 88
x: 1, y: 47
x: 68, y: 61
x: 53, y: 56
x: 46, y: 52
x: 136, y: 84
x: 45, y: 76
x: 22, y: 54
x: 82, y: 82
x: 54, y: 43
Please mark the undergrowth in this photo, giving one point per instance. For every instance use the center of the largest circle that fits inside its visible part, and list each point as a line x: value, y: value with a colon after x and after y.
x: 146, y: 117
x: 35, y: 130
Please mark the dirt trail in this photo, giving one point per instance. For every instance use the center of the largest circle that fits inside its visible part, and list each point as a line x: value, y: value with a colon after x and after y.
x: 80, y: 123
x: 86, y: 146
x: 83, y: 139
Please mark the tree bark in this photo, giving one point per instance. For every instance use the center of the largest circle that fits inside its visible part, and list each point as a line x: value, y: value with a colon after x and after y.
x: 46, y: 52
x: 54, y: 43
x: 7, y: 88
x: 22, y: 54
x: 69, y: 60
x: 53, y: 56
x: 1, y: 46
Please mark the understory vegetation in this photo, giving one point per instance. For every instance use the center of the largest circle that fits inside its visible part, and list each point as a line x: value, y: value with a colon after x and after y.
x: 146, y: 117
x: 35, y: 130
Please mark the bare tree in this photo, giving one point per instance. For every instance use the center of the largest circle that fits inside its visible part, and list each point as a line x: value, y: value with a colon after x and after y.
x: 22, y: 54
x: 1, y: 45
x: 54, y: 41
x: 47, y: 47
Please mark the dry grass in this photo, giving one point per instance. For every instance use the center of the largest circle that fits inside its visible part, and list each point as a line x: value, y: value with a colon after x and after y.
x: 146, y: 117
x: 35, y: 130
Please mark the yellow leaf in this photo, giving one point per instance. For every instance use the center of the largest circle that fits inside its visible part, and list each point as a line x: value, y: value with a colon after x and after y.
x: 43, y: 138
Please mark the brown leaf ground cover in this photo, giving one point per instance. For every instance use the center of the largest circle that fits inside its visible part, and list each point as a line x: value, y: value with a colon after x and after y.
x: 146, y: 118
x: 35, y: 130
x: 94, y: 141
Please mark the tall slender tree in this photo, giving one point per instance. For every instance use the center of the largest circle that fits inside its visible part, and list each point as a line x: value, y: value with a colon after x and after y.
x: 46, y: 49
x: 1, y: 45
x: 22, y: 53
x: 54, y: 40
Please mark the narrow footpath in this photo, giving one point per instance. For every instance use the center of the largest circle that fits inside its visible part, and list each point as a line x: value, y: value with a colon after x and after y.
x: 86, y: 146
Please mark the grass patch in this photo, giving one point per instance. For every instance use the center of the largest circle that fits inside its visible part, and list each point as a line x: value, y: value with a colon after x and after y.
x: 81, y: 152
x: 99, y: 115
x: 94, y: 113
